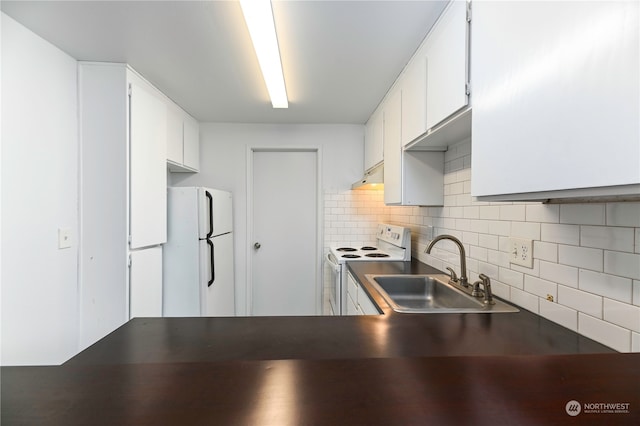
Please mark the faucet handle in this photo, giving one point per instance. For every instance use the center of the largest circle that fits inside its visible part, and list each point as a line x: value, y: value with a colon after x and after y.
x: 484, y: 281
x: 454, y: 277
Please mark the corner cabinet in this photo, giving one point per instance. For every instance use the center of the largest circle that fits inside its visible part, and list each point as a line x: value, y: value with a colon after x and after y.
x: 123, y: 176
x: 183, y: 140
x: 555, y: 112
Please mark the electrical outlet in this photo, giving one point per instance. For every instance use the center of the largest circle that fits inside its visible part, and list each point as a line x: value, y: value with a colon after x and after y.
x: 521, y: 252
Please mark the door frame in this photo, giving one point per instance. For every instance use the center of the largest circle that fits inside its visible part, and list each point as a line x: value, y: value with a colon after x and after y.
x: 319, y: 220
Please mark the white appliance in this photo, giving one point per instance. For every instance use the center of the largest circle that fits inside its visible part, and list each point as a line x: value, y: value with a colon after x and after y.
x: 198, y: 255
x: 393, y: 244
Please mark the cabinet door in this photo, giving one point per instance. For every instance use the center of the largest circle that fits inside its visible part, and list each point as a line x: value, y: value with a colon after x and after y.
x: 373, y: 140
x: 191, y: 138
x: 446, y: 64
x: 145, y: 280
x: 558, y: 109
x: 148, y: 168
x: 414, y: 99
x: 392, y: 149
x: 174, y: 134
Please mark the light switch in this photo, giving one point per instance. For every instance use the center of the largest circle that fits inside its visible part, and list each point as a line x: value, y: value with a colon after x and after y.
x: 64, y: 238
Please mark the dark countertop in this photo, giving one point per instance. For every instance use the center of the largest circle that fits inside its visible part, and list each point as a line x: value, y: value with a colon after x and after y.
x: 515, y: 368
x: 144, y: 340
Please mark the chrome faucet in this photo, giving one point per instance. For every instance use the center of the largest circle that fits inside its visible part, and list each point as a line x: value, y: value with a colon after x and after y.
x: 463, y: 281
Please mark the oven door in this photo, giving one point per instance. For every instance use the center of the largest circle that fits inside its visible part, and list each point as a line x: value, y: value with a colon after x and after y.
x: 335, y: 284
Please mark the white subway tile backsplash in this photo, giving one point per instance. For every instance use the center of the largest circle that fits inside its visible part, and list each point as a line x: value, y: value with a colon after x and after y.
x: 559, y: 314
x: 526, y: 300
x: 562, y: 234
x: 611, y: 286
x: 545, y: 251
x: 609, y: 334
x: 500, y: 228
x: 580, y: 300
x: 625, y: 264
x: 513, y: 212
x: 488, y: 241
x: 549, y: 213
x: 588, y: 253
x: 512, y: 278
x: 607, y: 237
x: 581, y: 257
x: 622, y: 314
x: 582, y: 214
x: 540, y: 287
x: 527, y: 230
x: 490, y: 212
x: 623, y: 214
x: 562, y: 274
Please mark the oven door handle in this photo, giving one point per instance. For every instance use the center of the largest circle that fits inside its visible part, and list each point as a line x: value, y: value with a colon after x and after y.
x: 333, y: 261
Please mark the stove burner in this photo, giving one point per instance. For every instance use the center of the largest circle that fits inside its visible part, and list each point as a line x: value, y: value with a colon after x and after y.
x: 377, y: 255
x: 351, y: 256
x: 346, y: 249
x: 367, y: 248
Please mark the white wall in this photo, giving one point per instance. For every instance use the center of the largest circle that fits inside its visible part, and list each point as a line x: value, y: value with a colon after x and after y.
x: 39, y: 195
x: 587, y: 256
x: 223, y: 158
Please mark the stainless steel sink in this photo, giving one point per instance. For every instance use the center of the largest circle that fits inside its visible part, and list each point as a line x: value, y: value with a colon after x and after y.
x: 430, y: 294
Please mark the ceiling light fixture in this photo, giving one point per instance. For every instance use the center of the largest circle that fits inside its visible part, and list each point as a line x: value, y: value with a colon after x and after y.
x: 259, y: 18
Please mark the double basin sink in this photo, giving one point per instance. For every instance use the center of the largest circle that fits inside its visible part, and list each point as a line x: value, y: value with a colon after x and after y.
x: 431, y: 294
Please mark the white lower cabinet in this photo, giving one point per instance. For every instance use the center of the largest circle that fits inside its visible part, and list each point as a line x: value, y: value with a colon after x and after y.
x: 145, y: 278
x: 358, y: 302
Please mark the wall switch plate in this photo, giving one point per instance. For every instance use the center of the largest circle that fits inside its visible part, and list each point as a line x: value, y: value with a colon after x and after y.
x: 64, y: 238
x: 521, y: 252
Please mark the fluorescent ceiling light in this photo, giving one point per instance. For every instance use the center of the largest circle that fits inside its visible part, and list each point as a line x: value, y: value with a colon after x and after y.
x: 259, y: 18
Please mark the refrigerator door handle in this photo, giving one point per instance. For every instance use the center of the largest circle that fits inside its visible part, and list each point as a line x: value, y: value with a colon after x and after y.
x: 210, y: 198
x: 213, y: 263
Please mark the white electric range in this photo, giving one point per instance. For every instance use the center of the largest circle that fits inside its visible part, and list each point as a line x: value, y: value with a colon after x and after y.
x: 393, y: 243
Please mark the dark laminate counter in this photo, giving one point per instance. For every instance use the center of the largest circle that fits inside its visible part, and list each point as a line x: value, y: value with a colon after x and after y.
x: 501, y: 390
x: 439, y: 369
x: 379, y: 336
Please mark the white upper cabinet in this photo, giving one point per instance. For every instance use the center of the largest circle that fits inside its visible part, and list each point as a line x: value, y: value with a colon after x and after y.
x: 183, y: 140
x: 411, y: 178
x: 191, y: 143
x: 373, y: 140
x: 446, y: 51
x: 392, y: 148
x: 435, y: 83
x: 414, y: 98
x: 556, y: 100
x: 148, y: 170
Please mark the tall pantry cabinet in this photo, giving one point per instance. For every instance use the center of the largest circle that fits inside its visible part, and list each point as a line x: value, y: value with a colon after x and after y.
x: 123, y: 176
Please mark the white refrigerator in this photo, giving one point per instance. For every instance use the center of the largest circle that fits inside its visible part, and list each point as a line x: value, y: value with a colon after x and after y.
x: 198, y: 255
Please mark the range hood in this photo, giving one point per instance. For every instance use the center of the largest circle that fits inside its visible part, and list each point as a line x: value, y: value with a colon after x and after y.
x: 372, y: 179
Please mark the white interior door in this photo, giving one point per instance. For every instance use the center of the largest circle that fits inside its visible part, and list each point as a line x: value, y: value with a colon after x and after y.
x: 284, y: 216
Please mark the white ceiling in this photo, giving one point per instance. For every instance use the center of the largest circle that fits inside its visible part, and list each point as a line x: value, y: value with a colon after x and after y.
x: 339, y: 57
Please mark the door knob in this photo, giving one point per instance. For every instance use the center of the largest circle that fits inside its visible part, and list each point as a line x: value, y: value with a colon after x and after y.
x: 257, y: 246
